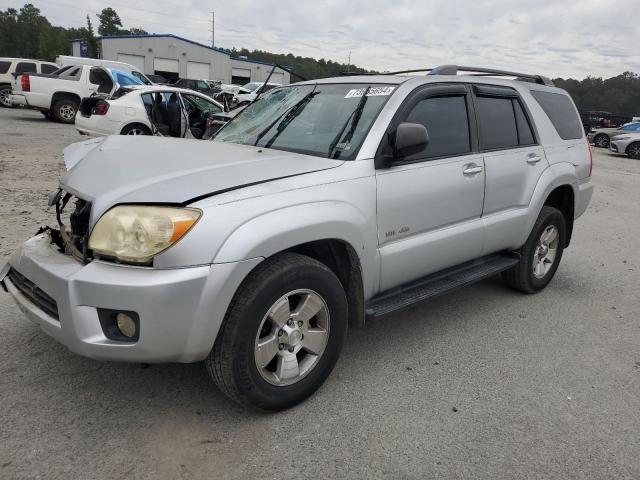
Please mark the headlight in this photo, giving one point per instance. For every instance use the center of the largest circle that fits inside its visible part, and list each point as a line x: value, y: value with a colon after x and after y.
x: 136, y: 233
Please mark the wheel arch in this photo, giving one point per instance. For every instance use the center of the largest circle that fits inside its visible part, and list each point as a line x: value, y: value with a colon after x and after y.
x: 556, y: 187
x: 146, y: 127
x: 64, y: 96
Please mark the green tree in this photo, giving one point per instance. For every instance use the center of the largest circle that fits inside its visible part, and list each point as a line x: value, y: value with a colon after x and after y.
x: 8, y: 32
x: 110, y: 23
x: 90, y: 37
x: 30, y: 27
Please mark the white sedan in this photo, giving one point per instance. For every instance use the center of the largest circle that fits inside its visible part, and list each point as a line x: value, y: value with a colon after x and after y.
x: 153, y: 110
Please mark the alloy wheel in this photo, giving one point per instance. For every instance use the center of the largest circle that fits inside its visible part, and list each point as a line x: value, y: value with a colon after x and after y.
x: 4, y: 98
x: 545, y: 252
x: 292, y: 337
x: 67, y: 112
x: 634, y: 151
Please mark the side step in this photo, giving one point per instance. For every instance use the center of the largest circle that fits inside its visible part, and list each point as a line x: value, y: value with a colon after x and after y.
x: 438, y: 284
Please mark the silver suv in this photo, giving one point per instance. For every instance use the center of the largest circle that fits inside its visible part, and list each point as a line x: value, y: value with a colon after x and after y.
x: 321, y: 205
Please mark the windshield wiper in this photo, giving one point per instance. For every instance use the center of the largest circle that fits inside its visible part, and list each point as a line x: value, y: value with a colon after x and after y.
x: 356, y: 114
x: 286, y: 117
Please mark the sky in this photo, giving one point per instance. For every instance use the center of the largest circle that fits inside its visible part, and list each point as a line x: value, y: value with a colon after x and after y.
x: 554, y: 38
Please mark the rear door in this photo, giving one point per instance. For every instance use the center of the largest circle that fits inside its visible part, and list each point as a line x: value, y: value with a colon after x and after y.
x: 430, y: 204
x: 513, y: 159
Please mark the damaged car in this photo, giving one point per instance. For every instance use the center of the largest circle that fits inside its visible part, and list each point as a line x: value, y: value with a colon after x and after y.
x: 156, y: 110
x: 321, y: 205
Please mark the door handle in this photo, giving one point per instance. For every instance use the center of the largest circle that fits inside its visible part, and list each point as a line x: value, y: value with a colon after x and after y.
x: 533, y: 159
x: 471, y: 169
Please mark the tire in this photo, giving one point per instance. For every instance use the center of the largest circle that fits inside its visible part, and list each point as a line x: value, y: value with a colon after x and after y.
x: 633, y: 150
x: 135, y: 129
x: 233, y: 361
x: 64, y: 111
x: 5, y: 91
x: 524, y: 276
x: 601, y: 141
x: 46, y: 113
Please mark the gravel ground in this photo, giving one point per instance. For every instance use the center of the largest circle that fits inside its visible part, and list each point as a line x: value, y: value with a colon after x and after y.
x: 482, y: 383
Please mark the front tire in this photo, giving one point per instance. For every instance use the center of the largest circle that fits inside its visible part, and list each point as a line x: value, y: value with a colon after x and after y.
x: 282, y: 334
x: 633, y: 150
x: 135, y: 129
x: 601, y: 141
x: 65, y: 110
x: 541, y: 254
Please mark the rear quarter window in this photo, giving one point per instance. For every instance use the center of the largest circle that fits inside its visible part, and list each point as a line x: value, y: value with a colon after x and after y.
x: 4, y: 66
x: 48, y: 68
x: 26, y: 67
x: 560, y: 110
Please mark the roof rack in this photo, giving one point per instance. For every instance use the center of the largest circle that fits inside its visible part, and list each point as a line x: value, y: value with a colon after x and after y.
x: 478, y: 71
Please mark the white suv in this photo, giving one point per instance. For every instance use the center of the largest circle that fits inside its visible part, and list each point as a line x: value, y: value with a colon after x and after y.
x: 16, y: 66
x: 320, y: 205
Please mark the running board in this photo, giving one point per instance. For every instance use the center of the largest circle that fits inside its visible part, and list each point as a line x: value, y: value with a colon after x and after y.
x: 438, y: 284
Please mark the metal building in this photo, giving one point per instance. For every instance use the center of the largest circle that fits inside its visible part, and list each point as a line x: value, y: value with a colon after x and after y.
x: 172, y: 56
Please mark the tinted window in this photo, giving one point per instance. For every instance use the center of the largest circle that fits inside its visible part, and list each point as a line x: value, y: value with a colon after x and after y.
x: 26, y: 67
x: 202, y: 86
x: 4, y: 67
x: 447, y: 123
x: 561, y: 112
x: 525, y: 133
x: 497, y: 123
x: 201, y: 104
x: 48, y: 68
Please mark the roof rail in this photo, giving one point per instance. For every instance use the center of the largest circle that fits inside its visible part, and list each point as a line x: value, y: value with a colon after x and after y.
x: 478, y: 71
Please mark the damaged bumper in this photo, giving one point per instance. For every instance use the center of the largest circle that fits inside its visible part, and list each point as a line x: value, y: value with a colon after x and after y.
x: 179, y: 310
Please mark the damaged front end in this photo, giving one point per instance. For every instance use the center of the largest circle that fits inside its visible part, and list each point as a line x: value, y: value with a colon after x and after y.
x: 72, y: 235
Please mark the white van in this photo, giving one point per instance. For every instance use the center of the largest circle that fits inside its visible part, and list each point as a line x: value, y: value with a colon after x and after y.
x: 64, y: 60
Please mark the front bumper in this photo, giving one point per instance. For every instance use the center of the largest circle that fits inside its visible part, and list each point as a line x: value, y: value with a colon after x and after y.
x: 613, y: 146
x: 180, y: 309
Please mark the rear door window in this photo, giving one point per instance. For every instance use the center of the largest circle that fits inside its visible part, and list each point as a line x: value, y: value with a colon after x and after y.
x: 48, y: 68
x: 4, y: 66
x: 447, y: 123
x: 497, y: 123
x: 26, y: 67
x: 563, y: 115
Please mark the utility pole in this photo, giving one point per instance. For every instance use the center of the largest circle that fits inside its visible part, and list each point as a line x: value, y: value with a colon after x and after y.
x: 349, y: 63
x: 213, y: 29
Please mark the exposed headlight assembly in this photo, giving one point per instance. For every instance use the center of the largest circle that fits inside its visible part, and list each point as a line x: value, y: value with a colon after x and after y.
x: 137, y: 233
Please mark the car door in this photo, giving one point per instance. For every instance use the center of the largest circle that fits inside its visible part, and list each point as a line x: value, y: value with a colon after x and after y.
x: 430, y: 204
x: 514, y: 161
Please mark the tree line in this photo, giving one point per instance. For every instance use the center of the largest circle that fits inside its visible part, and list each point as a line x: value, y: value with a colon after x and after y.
x: 27, y: 33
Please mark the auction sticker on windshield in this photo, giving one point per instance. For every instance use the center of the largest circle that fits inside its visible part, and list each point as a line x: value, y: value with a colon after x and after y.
x: 373, y: 92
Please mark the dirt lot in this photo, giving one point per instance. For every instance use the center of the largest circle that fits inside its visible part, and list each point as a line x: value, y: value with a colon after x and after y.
x: 483, y: 383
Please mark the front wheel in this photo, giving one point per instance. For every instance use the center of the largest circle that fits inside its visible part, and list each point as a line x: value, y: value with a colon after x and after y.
x: 135, y: 129
x: 633, y: 150
x: 601, y: 141
x: 540, y: 255
x: 282, y: 334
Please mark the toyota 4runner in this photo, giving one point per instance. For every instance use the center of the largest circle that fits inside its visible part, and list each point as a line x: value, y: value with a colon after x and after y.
x: 321, y: 205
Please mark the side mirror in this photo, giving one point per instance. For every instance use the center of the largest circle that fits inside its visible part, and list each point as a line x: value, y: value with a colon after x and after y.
x: 410, y: 138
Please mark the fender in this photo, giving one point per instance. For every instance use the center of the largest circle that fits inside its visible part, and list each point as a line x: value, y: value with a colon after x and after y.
x: 558, y: 174
x: 278, y: 230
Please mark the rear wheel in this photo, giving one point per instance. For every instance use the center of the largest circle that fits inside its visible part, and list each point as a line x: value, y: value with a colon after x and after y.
x: 65, y: 110
x: 540, y: 255
x: 5, y: 91
x: 282, y: 334
x: 135, y: 129
x: 633, y: 150
x: 601, y: 141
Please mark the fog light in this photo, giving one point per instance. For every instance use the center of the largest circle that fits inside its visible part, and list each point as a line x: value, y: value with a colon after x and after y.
x: 126, y: 325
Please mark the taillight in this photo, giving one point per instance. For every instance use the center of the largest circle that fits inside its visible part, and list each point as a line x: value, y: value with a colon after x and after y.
x: 101, y: 108
x: 25, y: 83
x: 590, y: 158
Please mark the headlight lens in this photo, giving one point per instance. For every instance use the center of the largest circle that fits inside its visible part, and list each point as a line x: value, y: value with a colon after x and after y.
x: 136, y: 233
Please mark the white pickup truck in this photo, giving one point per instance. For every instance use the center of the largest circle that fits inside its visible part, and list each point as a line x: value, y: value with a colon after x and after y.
x: 58, y: 95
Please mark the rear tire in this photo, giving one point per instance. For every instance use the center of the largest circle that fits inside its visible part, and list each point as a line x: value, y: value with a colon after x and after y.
x: 65, y: 110
x: 5, y: 91
x: 540, y: 255
x: 633, y: 150
x: 46, y: 113
x: 601, y: 141
x: 251, y: 359
x: 135, y: 129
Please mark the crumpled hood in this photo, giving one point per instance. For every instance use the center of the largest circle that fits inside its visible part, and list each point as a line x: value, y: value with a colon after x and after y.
x: 128, y: 169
